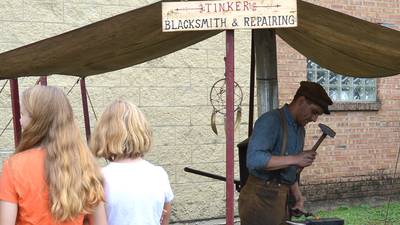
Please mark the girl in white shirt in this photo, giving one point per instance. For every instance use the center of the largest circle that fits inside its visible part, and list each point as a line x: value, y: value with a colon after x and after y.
x: 136, y: 191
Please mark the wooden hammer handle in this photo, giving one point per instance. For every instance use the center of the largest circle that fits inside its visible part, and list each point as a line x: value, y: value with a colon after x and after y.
x: 316, y: 145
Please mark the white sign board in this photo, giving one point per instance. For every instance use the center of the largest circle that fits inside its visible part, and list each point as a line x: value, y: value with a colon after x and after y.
x: 225, y: 14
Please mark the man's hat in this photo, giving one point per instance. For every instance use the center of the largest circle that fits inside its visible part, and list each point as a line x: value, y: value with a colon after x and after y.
x: 315, y: 93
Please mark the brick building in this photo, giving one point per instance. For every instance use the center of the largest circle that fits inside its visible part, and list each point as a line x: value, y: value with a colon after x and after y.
x: 173, y: 91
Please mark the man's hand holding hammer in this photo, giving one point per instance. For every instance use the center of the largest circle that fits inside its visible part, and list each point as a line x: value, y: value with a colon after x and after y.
x: 305, y: 158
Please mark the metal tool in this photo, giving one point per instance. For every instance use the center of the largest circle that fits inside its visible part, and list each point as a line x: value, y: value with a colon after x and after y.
x: 326, y: 131
x: 297, y: 213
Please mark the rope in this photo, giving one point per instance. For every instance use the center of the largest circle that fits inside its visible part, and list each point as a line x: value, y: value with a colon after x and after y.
x: 9, y: 122
x: 77, y: 81
x: 5, y: 128
x: 390, y: 197
x: 91, y: 105
x: 4, y: 85
x: 37, y: 82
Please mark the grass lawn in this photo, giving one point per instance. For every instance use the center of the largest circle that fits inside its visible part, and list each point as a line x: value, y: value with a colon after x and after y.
x: 364, y: 214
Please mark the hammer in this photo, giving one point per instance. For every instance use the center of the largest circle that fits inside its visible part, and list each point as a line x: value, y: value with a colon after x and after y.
x: 326, y: 131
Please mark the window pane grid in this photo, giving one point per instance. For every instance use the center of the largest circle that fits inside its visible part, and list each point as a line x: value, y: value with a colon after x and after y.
x: 342, y: 88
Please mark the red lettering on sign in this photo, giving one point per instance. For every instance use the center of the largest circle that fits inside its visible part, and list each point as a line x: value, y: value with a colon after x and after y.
x: 228, y: 6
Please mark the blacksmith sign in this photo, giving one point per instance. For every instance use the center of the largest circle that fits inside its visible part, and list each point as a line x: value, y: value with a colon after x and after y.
x: 228, y: 14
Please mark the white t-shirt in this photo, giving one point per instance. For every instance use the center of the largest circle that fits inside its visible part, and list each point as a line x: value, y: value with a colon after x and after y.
x: 135, y: 192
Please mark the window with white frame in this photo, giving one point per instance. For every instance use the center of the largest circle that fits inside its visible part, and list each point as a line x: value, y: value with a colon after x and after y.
x: 342, y: 88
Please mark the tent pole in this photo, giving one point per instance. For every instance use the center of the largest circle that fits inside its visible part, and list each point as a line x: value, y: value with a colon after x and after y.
x: 15, y: 110
x: 229, y: 123
x: 85, y: 108
x: 43, y: 80
x: 251, y: 94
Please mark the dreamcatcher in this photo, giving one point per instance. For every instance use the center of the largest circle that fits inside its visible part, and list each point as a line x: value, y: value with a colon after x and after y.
x: 218, y: 102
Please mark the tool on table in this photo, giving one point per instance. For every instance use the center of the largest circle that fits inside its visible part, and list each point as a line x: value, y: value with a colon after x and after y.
x: 297, y: 213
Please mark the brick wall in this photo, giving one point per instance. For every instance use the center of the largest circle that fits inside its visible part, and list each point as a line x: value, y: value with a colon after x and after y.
x: 173, y: 93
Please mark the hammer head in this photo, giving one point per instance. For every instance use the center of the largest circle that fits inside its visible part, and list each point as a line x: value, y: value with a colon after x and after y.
x: 327, y: 130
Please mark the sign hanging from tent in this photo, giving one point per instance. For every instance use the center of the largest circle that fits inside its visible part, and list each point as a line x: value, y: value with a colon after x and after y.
x: 228, y: 14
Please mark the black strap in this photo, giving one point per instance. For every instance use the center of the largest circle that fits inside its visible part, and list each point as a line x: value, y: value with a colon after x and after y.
x: 284, y: 134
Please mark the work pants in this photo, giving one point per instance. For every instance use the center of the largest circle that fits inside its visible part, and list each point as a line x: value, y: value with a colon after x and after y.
x: 263, y: 202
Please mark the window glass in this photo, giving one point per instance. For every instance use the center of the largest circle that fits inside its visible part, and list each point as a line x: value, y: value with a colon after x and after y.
x: 340, y: 87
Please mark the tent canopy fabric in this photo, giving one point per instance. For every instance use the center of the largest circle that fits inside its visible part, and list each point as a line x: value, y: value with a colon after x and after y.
x: 341, y: 43
x: 115, y: 43
x: 344, y: 44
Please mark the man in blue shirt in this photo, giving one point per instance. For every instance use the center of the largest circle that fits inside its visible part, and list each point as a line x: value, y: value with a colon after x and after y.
x: 275, y: 155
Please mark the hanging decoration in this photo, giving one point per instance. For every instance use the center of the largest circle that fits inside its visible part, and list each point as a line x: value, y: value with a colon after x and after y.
x: 218, y: 102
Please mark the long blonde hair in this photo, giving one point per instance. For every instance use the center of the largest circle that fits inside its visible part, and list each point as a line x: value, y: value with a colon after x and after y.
x: 122, y: 132
x: 74, y: 180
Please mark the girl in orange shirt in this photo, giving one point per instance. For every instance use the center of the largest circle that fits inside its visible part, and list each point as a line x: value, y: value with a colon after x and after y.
x: 52, y: 179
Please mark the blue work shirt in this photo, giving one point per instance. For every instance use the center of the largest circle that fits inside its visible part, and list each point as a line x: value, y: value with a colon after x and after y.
x: 266, y: 140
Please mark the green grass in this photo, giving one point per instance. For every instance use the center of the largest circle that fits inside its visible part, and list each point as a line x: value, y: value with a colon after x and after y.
x: 364, y: 214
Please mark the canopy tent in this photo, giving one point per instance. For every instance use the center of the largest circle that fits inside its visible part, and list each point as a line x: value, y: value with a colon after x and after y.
x: 341, y: 43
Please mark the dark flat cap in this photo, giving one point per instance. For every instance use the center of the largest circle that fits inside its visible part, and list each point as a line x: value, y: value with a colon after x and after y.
x: 315, y: 93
